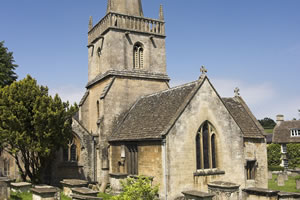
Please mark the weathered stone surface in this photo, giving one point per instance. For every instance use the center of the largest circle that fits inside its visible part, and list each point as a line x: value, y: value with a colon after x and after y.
x: 197, y: 195
x: 270, y: 175
x: 224, y: 190
x: 82, y: 197
x: 84, y: 191
x: 44, y: 193
x: 259, y: 194
x: 3, y: 190
x: 280, y: 180
x: 298, y: 184
x: 21, y: 187
x: 69, y: 184
x: 115, y: 181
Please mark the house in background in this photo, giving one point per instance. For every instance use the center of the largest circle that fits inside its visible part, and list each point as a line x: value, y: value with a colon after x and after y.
x: 286, y: 132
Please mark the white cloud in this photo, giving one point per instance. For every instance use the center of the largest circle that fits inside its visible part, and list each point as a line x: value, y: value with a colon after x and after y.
x: 68, y: 93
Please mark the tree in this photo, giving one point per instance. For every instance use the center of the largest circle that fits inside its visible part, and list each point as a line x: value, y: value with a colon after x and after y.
x: 33, y: 125
x: 274, y: 155
x: 7, y: 74
x: 267, y: 123
x: 139, y: 188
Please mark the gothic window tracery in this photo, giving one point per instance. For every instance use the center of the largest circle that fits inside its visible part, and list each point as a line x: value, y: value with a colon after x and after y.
x: 206, y: 154
x: 138, y: 53
x: 71, y: 152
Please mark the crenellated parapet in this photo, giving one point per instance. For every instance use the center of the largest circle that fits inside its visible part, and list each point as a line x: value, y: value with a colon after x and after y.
x: 126, y: 23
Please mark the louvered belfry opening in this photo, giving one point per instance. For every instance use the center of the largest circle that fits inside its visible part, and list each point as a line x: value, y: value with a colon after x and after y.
x: 132, y: 159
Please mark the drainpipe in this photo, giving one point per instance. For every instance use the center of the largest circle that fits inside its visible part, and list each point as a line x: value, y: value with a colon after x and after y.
x: 164, y: 154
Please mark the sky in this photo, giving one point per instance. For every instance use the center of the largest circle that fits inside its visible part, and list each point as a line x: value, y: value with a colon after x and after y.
x: 250, y: 44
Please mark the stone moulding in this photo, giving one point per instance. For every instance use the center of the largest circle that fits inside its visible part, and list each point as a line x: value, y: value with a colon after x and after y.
x: 209, y: 172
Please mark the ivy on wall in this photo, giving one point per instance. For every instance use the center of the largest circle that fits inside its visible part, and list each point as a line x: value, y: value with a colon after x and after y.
x: 274, y: 155
x: 293, y: 155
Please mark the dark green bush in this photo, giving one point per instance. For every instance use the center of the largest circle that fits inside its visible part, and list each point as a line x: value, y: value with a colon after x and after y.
x: 275, y: 168
x: 274, y: 155
x: 293, y: 154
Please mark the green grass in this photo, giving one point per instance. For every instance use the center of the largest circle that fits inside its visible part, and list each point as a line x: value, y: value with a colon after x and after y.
x: 105, y: 196
x: 268, y: 130
x: 19, y: 196
x: 290, y: 185
x: 28, y: 196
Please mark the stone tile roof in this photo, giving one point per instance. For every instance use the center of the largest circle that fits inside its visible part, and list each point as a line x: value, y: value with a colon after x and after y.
x: 86, y: 94
x: 243, y: 117
x: 152, y: 115
x: 107, y: 87
x: 138, y: 74
x: 282, y: 133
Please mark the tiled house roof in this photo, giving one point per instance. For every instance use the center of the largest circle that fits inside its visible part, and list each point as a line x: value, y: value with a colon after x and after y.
x: 282, y: 132
x: 244, y: 118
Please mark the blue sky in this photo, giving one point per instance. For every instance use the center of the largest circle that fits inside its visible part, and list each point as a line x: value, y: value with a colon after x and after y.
x: 250, y: 44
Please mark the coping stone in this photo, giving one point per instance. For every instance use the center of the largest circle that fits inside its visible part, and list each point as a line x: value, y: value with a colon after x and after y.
x: 84, y: 197
x: 74, y: 182
x: 261, y: 191
x: 84, y: 191
x: 197, y: 194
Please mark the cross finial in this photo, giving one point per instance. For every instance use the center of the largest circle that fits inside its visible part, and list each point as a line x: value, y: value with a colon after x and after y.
x: 237, y: 92
x: 203, y: 70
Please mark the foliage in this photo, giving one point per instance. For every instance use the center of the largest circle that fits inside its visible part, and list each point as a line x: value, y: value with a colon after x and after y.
x: 28, y: 196
x: 33, y: 125
x: 297, y: 177
x: 275, y: 168
x: 274, y: 155
x: 267, y: 123
x: 289, y: 186
x: 7, y: 74
x: 139, y: 188
x: 104, y: 196
x: 293, y: 154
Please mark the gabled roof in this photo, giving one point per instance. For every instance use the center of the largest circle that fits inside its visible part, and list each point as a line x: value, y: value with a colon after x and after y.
x: 151, y: 115
x: 282, y: 132
x: 244, y: 117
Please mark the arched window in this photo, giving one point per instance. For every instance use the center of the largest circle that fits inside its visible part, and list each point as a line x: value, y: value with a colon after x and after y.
x: 206, y: 157
x: 138, y: 56
x: 71, y: 152
x: 98, y: 110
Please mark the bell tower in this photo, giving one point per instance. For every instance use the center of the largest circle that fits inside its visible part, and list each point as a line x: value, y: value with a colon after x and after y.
x: 124, y: 40
x: 126, y: 60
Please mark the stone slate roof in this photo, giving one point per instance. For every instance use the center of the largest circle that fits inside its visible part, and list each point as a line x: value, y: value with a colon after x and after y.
x: 243, y: 117
x: 86, y: 94
x: 282, y: 133
x: 152, y: 115
x: 134, y: 74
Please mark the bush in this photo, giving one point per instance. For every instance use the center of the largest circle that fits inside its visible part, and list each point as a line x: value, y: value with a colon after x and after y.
x: 139, y: 188
x: 293, y: 154
x: 274, y: 155
x: 275, y: 168
x: 297, y: 178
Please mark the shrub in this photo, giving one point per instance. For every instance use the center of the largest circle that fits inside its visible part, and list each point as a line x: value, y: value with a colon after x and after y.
x: 274, y: 155
x: 293, y: 154
x: 139, y: 188
x: 275, y: 168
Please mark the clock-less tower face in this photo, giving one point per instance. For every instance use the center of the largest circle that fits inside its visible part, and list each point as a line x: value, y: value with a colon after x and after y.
x: 126, y: 41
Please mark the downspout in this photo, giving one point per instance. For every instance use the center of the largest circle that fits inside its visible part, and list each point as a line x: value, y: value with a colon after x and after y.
x: 164, y: 154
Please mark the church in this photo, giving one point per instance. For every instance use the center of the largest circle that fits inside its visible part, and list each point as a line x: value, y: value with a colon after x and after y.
x: 130, y: 122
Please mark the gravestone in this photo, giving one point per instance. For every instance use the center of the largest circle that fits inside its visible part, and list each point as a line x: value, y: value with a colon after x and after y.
x: 197, y: 195
x: 286, y: 177
x: 44, y: 193
x: 270, y: 175
x: 20, y: 187
x: 224, y: 190
x: 3, y: 190
x: 298, y: 184
x: 280, y: 179
x: 259, y: 194
x: 69, y: 184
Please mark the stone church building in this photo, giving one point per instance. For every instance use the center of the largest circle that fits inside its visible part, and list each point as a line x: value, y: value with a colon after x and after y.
x: 130, y: 122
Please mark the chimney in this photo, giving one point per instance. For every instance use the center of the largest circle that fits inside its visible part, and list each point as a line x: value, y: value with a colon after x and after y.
x: 279, y: 119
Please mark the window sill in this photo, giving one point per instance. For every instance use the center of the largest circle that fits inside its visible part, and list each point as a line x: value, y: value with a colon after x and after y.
x: 70, y: 164
x: 208, y: 172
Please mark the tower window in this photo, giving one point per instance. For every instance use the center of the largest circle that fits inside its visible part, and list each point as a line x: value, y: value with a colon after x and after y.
x: 138, y: 59
x: 250, y: 169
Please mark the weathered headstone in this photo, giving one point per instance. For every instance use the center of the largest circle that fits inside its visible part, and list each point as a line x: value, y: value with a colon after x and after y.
x: 224, y: 190
x: 270, y: 175
x: 285, y: 175
x: 44, y: 193
x: 280, y: 179
x: 21, y: 187
x: 68, y: 184
x: 298, y: 184
x: 259, y: 193
x: 3, y: 190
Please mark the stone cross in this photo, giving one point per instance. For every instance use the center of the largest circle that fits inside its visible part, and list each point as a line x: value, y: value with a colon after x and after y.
x: 237, y: 92
x: 203, y: 70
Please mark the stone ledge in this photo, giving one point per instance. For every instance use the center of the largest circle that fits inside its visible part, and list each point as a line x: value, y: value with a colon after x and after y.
x: 83, y: 197
x: 84, y: 191
x: 44, y: 190
x: 208, y: 172
x: 289, y: 194
x: 261, y: 191
x: 74, y: 182
x: 118, y: 175
x: 223, y: 185
x: 194, y: 193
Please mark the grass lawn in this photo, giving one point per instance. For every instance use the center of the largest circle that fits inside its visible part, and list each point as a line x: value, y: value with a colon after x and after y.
x: 290, y: 185
x: 268, y: 130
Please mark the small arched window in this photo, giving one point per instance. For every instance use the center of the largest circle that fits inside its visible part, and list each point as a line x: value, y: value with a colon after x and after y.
x: 71, y: 152
x: 206, y: 157
x: 138, y: 56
